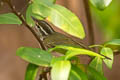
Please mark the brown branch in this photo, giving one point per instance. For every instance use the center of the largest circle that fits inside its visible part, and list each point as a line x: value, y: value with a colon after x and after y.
x: 90, y: 23
x: 24, y: 22
x: 31, y: 29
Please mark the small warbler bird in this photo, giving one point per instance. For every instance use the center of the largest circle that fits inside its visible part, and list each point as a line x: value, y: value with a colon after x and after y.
x: 52, y: 38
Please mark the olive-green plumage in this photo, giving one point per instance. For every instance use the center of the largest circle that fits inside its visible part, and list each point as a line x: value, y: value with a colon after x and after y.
x: 52, y: 38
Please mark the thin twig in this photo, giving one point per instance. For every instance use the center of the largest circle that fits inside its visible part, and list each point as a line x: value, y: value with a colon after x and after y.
x: 23, y: 21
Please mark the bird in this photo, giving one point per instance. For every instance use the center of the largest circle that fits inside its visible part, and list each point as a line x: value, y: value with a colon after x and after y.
x: 51, y: 38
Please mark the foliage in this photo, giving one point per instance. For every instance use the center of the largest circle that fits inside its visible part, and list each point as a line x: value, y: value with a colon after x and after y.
x: 32, y: 71
x: 9, y: 18
x: 35, y: 56
x: 66, y: 66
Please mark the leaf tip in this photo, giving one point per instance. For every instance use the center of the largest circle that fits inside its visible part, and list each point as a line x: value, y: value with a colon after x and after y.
x: 18, y: 52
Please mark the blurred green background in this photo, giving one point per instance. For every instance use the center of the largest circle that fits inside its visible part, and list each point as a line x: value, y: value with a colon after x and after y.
x: 108, y: 20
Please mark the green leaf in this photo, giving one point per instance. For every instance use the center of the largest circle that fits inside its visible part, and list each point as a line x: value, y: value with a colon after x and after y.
x: 114, y: 42
x: 60, y: 70
x: 53, y: 1
x: 94, y: 75
x: 72, y: 51
x: 35, y: 56
x: 31, y: 72
x: 29, y: 19
x: 77, y: 74
x: 41, y: 8
x: 30, y: 14
x: 96, y: 63
x: 55, y: 59
x: 68, y: 23
x: 9, y: 18
x: 58, y: 15
x: 109, y: 53
x: 101, y: 4
x: 91, y: 73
